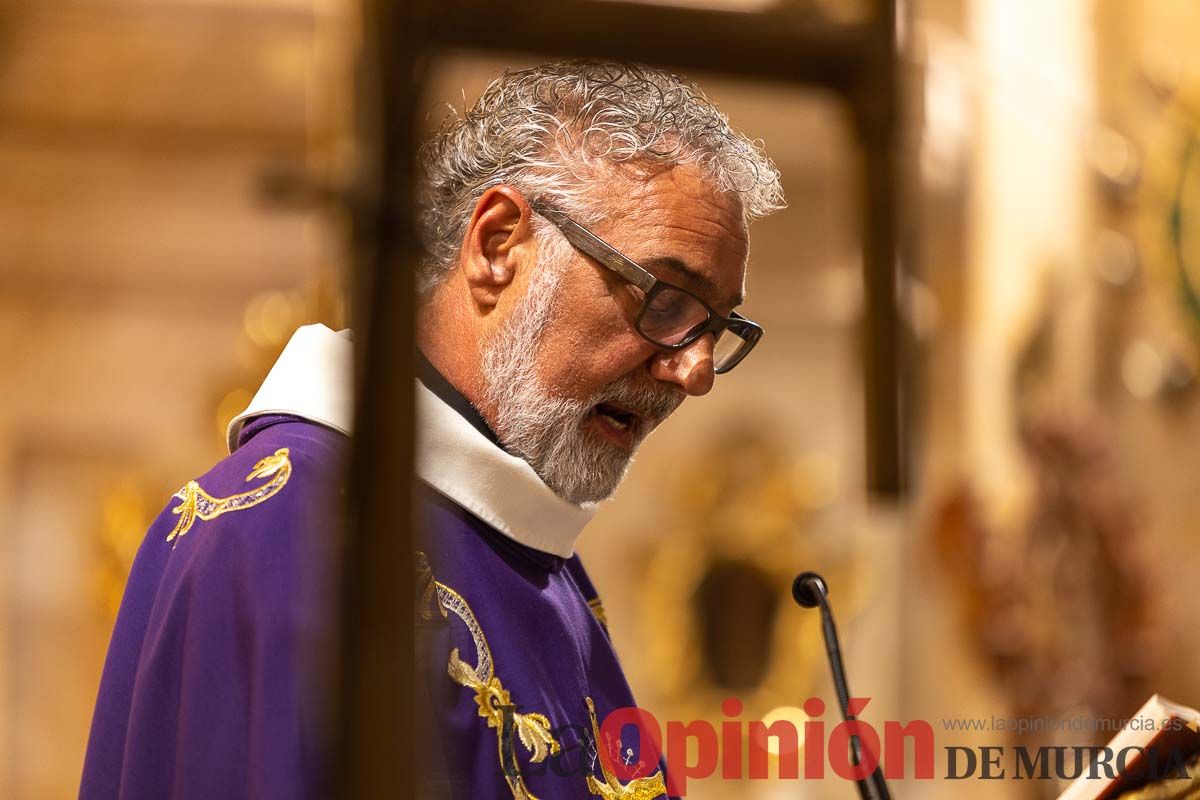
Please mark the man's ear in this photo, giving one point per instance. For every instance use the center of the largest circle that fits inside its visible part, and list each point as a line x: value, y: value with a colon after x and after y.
x: 496, y: 245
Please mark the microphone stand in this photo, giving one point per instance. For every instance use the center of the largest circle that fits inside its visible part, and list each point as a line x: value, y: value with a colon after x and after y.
x: 809, y: 591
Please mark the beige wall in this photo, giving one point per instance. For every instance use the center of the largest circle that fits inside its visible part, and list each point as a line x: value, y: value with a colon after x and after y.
x: 135, y: 262
x: 142, y: 281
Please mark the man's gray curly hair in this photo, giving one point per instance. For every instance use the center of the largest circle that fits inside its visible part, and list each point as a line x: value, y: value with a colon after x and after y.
x: 550, y: 130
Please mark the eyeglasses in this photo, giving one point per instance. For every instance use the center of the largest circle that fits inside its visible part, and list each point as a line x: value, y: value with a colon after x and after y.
x: 670, y: 317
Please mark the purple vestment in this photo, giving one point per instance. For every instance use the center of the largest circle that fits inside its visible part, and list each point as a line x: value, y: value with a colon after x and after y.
x: 209, y: 689
x: 520, y: 629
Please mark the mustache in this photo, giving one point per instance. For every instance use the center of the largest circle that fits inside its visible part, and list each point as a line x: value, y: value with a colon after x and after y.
x: 652, y: 403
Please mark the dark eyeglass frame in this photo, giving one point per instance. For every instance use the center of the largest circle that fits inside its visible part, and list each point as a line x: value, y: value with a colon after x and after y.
x: 612, y: 258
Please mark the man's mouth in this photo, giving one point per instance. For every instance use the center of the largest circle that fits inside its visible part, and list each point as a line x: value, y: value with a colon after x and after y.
x: 617, y: 424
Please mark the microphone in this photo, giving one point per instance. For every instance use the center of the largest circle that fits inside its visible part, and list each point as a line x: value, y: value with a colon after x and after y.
x: 810, y: 591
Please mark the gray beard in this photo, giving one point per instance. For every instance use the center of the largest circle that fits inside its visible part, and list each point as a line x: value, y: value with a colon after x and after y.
x: 551, y: 433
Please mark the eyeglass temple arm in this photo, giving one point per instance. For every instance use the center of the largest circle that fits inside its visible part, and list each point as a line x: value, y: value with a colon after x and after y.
x: 597, y: 248
x: 610, y: 256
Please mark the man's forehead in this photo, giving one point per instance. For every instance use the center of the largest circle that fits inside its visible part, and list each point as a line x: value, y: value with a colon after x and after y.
x: 683, y: 229
x: 685, y: 186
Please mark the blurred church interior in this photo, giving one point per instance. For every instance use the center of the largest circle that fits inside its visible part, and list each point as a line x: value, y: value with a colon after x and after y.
x: 155, y: 256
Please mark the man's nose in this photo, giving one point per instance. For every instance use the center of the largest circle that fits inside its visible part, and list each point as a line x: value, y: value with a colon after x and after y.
x: 690, y: 368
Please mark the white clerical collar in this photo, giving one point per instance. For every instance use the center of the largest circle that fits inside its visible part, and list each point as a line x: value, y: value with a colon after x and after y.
x: 312, y: 380
x: 501, y: 489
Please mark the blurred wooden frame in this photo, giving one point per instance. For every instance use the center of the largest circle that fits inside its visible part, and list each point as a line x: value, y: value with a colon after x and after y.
x: 376, y: 731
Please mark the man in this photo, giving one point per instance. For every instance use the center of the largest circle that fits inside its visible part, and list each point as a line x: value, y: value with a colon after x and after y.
x: 586, y: 226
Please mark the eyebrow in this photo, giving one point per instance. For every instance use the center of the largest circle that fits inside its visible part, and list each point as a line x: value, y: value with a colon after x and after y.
x: 692, y: 274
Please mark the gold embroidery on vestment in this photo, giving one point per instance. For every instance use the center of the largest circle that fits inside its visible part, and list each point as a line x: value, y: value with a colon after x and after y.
x: 428, y: 589
x: 598, y: 611
x: 199, y: 504
x: 612, y: 789
x: 493, y: 700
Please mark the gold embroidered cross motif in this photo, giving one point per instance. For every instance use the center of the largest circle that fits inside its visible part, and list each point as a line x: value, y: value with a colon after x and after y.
x: 495, y: 703
x: 199, y: 504
x: 612, y: 789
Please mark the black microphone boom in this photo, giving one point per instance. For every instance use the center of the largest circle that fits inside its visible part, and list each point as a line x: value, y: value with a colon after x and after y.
x: 810, y: 591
